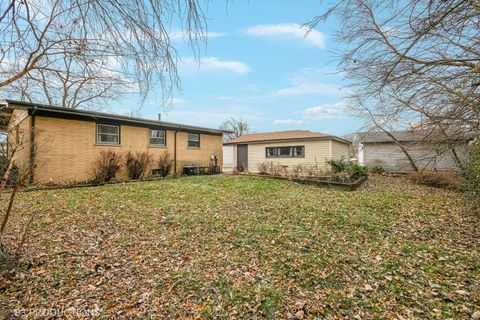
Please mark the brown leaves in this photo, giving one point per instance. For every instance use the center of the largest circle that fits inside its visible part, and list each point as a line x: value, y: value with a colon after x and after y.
x: 188, y: 248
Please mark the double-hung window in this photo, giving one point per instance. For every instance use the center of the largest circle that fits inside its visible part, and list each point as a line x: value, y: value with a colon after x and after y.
x: 157, y: 138
x: 194, y: 140
x: 285, y: 152
x: 108, y: 134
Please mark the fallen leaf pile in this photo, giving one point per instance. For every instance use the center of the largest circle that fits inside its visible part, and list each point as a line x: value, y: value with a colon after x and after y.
x: 244, y: 247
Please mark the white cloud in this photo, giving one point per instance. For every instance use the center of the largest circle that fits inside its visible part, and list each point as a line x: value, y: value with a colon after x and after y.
x: 178, y: 34
x: 208, y: 116
x: 324, y: 111
x: 216, y: 34
x: 177, y: 101
x: 322, y: 74
x: 214, y: 64
x: 288, y: 122
x: 307, y: 88
x: 313, y: 37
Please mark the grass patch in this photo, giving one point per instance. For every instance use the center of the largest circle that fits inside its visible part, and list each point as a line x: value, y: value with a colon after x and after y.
x: 243, y: 247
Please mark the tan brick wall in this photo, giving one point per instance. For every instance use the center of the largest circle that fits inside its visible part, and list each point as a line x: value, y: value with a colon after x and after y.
x: 66, y: 149
x: 209, y: 145
x: 19, y: 138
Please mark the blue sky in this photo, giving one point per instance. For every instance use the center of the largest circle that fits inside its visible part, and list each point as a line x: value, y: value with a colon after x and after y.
x: 258, y: 65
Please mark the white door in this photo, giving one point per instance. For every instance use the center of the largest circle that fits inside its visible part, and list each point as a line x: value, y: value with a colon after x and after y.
x: 360, y: 154
x: 228, y: 158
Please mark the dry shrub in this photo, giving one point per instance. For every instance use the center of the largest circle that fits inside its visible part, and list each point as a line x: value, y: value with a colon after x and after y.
x: 165, y: 164
x: 263, y: 167
x: 446, y: 180
x: 301, y: 171
x: 137, y: 163
x: 297, y: 171
x: 272, y: 168
x: 106, y: 166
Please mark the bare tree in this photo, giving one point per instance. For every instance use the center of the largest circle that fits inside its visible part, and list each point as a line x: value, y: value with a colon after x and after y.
x: 71, y: 52
x: 69, y: 85
x: 75, y: 40
x: 237, y: 127
x: 383, y: 124
x: 415, y: 64
x: 13, y: 178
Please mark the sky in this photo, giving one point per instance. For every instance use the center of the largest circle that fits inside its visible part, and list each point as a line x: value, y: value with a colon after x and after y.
x: 259, y: 65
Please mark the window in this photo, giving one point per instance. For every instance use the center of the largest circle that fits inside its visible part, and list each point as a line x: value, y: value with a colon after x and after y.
x: 194, y: 140
x: 108, y: 134
x: 285, y: 152
x: 157, y: 137
x: 298, y: 151
x: 271, y: 152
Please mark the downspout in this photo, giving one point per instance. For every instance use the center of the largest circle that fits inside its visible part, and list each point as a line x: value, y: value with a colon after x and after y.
x: 175, y: 151
x: 32, y: 146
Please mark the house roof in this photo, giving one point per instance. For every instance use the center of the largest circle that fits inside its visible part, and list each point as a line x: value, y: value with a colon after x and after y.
x: 401, y: 136
x: 378, y: 136
x: 60, y: 112
x: 290, y: 135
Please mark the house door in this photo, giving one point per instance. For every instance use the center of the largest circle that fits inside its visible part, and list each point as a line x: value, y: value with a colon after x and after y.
x: 242, y: 157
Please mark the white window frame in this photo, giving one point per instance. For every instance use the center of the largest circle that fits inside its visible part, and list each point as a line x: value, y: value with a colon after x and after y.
x: 157, y: 144
x: 291, y: 154
x: 98, y: 134
x: 197, y: 140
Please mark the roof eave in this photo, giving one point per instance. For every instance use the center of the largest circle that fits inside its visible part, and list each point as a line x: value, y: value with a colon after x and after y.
x: 289, y: 140
x: 100, y: 115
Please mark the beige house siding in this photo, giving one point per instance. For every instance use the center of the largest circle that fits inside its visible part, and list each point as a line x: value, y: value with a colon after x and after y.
x: 391, y: 158
x: 66, y: 149
x: 316, y: 152
x: 340, y: 150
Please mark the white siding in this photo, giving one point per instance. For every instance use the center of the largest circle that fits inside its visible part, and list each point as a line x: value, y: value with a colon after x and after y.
x: 228, y: 159
x: 391, y: 158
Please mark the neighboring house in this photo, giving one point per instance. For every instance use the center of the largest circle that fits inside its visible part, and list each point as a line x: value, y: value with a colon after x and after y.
x: 288, y: 148
x: 377, y: 149
x: 62, y: 144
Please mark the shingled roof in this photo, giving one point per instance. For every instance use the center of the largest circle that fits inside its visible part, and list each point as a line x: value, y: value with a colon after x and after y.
x: 55, y: 111
x: 409, y: 136
x: 283, y: 135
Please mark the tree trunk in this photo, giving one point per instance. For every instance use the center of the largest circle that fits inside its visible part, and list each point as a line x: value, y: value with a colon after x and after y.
x: 402, y: 147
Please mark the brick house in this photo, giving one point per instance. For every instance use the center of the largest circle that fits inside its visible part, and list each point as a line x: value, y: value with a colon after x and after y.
x: 61, y: 145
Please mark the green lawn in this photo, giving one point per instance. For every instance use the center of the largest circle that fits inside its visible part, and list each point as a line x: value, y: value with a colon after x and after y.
x: 236, y: 247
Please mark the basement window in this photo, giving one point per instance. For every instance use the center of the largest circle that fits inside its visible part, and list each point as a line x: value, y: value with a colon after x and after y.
x: 108, y: 134
x: 157, y: 138
x: 194, y: 140
x: 285, y: 152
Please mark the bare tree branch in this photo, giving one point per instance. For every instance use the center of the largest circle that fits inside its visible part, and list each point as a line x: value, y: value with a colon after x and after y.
x: 127, y: 40
x: 237, y: 127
